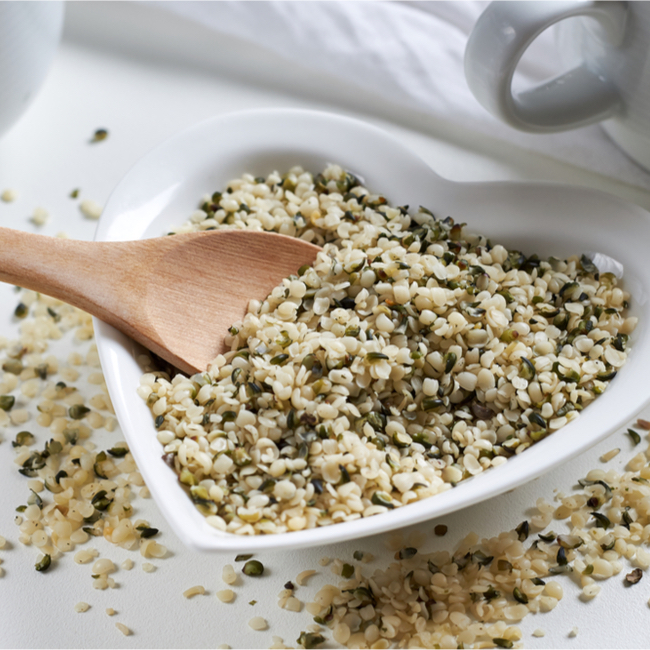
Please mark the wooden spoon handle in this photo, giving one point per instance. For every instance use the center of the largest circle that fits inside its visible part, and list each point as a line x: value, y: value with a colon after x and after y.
x: 88, y: 275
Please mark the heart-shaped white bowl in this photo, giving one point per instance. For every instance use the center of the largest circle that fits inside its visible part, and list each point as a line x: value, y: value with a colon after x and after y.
x: 164, y: 188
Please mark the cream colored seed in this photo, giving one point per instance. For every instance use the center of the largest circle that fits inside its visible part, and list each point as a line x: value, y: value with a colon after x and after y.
x: 228, y: 575
x: 9, y: 195
x: 199, y: 590
x: 81, y: 607
x: 258, y: 623
x: 90, y: 209
x: 226, y: 595
x: 123, y: 629
x: 110, y: 612
x: 609, y: 455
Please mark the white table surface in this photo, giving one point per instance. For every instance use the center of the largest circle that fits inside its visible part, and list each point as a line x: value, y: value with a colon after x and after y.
x: 144, y: 75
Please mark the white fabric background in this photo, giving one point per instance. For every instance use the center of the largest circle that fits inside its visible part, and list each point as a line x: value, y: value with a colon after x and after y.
x: 410, y: 53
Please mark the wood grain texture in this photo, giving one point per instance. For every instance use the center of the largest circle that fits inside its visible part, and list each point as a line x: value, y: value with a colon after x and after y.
x: 176, y: 295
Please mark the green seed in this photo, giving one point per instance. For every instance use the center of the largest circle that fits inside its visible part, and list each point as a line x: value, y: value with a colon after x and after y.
x: 279, y: 360
x: 406, y: 553
x: 187, y: 478
x: 358, y: 555
x: 23, y: 438
x: 519, y: 596
x: 101, y: 500
x: 450, y: 361
x: 523, y: 531
x: 601, y: 520
x: 347, y: 571
x: 99, y: 135
x: 74, y: 194
x: 34, y: 499
x: 243, y: 558
x: 43, y: 564
x: 526, y: 369
x: 636, y: 438
x: 146, y: 532
x: 310, y: 640
x: 253, y: 568
x: 402, y: 440
x: 375, y: 357
x: 21, y: 310
x: 431, y: 403
x: 382, y: 499
x: 7, y: 402
x: 78, y: 411
x: 118, y: 452
x: 502, y: 643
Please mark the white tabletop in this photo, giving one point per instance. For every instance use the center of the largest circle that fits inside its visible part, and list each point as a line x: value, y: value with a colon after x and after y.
x: 145, y: 75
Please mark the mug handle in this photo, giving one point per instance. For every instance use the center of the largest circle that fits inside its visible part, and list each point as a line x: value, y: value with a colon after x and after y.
x: 500, y: 37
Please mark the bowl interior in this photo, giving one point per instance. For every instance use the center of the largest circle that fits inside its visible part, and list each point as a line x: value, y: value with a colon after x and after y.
x: 164, y: 188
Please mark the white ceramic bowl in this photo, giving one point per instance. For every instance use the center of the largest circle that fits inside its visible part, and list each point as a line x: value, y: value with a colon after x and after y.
x: 165, y: 186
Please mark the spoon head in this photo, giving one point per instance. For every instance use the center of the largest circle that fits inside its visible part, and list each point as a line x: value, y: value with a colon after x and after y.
x: 203, y: 285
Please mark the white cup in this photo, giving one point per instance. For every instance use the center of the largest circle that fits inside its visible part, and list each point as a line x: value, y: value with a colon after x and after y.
x: 29, y: 35
x: 610, y: 84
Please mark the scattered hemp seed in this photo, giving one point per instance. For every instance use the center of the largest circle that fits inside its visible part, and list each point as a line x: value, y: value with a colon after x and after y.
x: 252, y: 602
x: 258, y: 623
x: 3, y: 542
x: 440, y: 530
x: 90, y: 209
x: 228, y: 575
x: 643, y: 424
x: 310, y: 640
x: 609, y: 455
x: 633, y: 577
x: 40, y: 216
x: 347, y: 571
x: 81, y: 607
x: 123, y: 629
x: 573, y: 632
x: 75, y: 193
x: 301, y: 578
x: 110, y: 612
x: 147, y: 567
x: 253, y: 568
x: 21, y: 310
x: 99, y: 135
x: 7, y: 402
x: 636, y: 438
x: 358, y: 555
x: 199, y: 590
x: 539, y: 633
x: 9, y: 195
x: 226, y: 595
x: 44, y: 563
x: 243, y: 558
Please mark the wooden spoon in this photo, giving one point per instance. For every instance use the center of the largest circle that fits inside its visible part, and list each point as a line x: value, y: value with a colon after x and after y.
x: 176, y: 295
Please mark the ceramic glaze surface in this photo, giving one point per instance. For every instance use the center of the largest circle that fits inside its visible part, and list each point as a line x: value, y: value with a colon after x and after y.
x: 607, y: 45
x: 29, y: 35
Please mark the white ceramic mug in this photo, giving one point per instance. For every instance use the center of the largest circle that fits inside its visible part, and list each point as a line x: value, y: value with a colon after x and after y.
x: 29, y: 35
x: 611, y: 83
